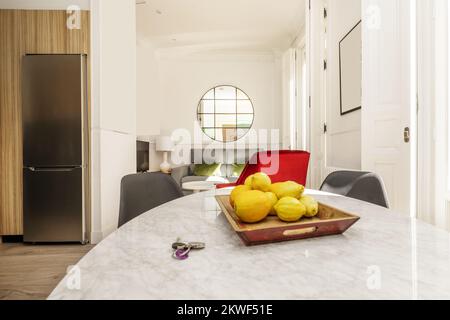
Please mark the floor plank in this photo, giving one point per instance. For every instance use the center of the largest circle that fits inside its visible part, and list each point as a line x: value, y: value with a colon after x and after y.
x: 32, y: 271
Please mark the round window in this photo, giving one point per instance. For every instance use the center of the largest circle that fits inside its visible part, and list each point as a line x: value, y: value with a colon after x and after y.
x: 225, y: 113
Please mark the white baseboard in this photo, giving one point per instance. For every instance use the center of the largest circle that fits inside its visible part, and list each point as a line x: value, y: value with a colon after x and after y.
x: 109, y: 229
x: 96, y: 237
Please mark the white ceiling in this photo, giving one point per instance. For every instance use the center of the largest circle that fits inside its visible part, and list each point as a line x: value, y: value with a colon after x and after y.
x: 255, y: 24
x: 43, y: 4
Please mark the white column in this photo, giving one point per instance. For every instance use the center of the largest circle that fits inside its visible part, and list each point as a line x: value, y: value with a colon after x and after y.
x: 113, y: 58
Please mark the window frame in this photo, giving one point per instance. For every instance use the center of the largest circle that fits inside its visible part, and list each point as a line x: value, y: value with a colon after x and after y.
x: 236, y: 114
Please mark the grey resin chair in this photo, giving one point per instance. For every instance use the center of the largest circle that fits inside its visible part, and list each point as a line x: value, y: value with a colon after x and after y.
x: 144, y: 191
x: 365, y: 186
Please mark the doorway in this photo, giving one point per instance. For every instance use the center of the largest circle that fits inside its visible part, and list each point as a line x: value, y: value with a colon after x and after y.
x: 387, y: 131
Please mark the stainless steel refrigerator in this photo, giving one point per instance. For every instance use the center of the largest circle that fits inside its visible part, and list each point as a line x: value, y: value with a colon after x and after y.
x: 55, y: 147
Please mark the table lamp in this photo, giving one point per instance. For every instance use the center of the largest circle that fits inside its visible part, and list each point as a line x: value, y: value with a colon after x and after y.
x: 164, y: 144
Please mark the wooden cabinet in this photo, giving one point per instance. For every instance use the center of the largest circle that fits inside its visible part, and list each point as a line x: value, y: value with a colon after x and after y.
x: 26, y: 32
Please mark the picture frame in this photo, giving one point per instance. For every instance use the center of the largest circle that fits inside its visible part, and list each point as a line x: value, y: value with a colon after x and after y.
x: 350, y: 70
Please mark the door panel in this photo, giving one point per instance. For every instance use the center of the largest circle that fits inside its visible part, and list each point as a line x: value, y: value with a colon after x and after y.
x: 53, y: 205
x: 386, y: 110
x: 52, y: 117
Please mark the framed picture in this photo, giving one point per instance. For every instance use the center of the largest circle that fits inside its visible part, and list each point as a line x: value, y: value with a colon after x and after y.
x: 350, y: 70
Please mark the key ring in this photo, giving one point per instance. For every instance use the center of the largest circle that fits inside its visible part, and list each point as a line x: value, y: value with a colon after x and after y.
x: 181, y: 249
x: 181, y: 254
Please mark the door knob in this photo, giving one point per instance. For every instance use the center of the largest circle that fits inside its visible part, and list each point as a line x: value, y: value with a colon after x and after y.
x: 406, y: 135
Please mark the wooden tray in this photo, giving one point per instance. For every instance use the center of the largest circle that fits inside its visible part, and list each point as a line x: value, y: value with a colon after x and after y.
x: 329, y: 221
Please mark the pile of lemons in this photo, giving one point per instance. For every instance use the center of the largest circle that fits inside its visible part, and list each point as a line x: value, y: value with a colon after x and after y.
x: 259, y: 198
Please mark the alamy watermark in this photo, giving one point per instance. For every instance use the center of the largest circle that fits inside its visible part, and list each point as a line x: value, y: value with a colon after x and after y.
x: 257, y: 147
x: 73, y: 21
x: 374, y: 278
x: 73, y: 279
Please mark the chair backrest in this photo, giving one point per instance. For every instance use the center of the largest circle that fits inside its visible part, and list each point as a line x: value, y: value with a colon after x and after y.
x: 281, y: 166
x: 365, y: 186
x: 144, y: 191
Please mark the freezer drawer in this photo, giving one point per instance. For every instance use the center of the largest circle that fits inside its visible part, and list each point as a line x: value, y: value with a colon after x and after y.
x: 53, y: 205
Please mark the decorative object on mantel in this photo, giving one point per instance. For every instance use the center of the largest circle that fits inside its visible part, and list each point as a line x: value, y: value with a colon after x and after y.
x: 350, y: 70
x: 166, y: 145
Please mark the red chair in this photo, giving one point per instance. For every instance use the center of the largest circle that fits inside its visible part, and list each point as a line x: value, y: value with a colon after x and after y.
x: 280, y: 166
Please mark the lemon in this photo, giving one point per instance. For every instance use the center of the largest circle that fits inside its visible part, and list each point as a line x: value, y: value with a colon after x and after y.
x: 261, y: 181
x: 252, y: 206
x: 312, y: 206
x: 248, y: 181
x: 290, y: 209
x: 236, y: 191
x: 287, y: 189
x: 273, y: 200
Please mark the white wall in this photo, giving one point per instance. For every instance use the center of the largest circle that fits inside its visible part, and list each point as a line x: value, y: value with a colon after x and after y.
x: 433, y: 117
x: 344, y: 132
x: 288, y: 94
x: 183, y: 81
x: 315, y: 56
x: 171, y: 83
x: 113, y: 148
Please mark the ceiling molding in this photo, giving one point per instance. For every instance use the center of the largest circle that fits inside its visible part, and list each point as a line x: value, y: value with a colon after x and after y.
x: 44, y: 4
x: 266, y: 24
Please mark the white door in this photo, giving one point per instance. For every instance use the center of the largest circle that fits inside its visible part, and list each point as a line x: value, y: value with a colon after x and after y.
x: 389, y: 96
x: 301, y: 100
x: 316, y: 86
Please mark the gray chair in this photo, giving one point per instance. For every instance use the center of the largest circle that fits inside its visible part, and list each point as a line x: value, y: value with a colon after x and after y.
x: 144, y: 191
x: 365, y: 186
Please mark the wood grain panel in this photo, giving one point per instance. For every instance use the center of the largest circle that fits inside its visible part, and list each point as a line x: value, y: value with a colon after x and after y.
x: 24, y: 32
x: 31, y: 272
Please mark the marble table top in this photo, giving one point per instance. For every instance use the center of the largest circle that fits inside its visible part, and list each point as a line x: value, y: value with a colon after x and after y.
x: 199, y: 185
x: 385, y: 255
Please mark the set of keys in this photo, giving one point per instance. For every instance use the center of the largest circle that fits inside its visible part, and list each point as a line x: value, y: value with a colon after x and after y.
x: 181, y: 249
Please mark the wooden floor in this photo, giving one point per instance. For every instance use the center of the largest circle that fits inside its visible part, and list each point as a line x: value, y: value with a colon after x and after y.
x: 31, y: 272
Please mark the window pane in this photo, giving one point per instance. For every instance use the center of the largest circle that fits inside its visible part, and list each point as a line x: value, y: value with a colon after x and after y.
x: 241, y: 95
x: 209, y: 95
x: 225, y: 113
x: 226, y: 92
x: 244, y: 120
x: 206, y: 120
x: 206, y: 106
x: 225, y: 120
x: 210, y: 133
x: 225, y: 106
x: 244, y: 106
x: 241, y: 133
x: 226, y: 134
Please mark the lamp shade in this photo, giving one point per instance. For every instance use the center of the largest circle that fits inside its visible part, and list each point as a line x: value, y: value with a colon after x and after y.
x: 164, y: 144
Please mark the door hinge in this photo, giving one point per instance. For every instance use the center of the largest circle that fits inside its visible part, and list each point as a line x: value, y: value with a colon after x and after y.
x: 407, y: 135
x: 325, y: 65
x: 325, y: 13
x: 310, y: 102
x: 325, y: 128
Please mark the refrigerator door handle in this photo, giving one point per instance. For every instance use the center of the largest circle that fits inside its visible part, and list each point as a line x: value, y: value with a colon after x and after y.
x: 53, y: 169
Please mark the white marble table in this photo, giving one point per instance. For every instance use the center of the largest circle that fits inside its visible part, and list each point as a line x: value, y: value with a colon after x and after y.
x: 199, y: 186
x: 383, y: 256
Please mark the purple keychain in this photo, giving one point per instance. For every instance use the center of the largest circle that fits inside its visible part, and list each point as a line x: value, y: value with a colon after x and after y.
x: 182, y: 254
x: 182, y: 249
